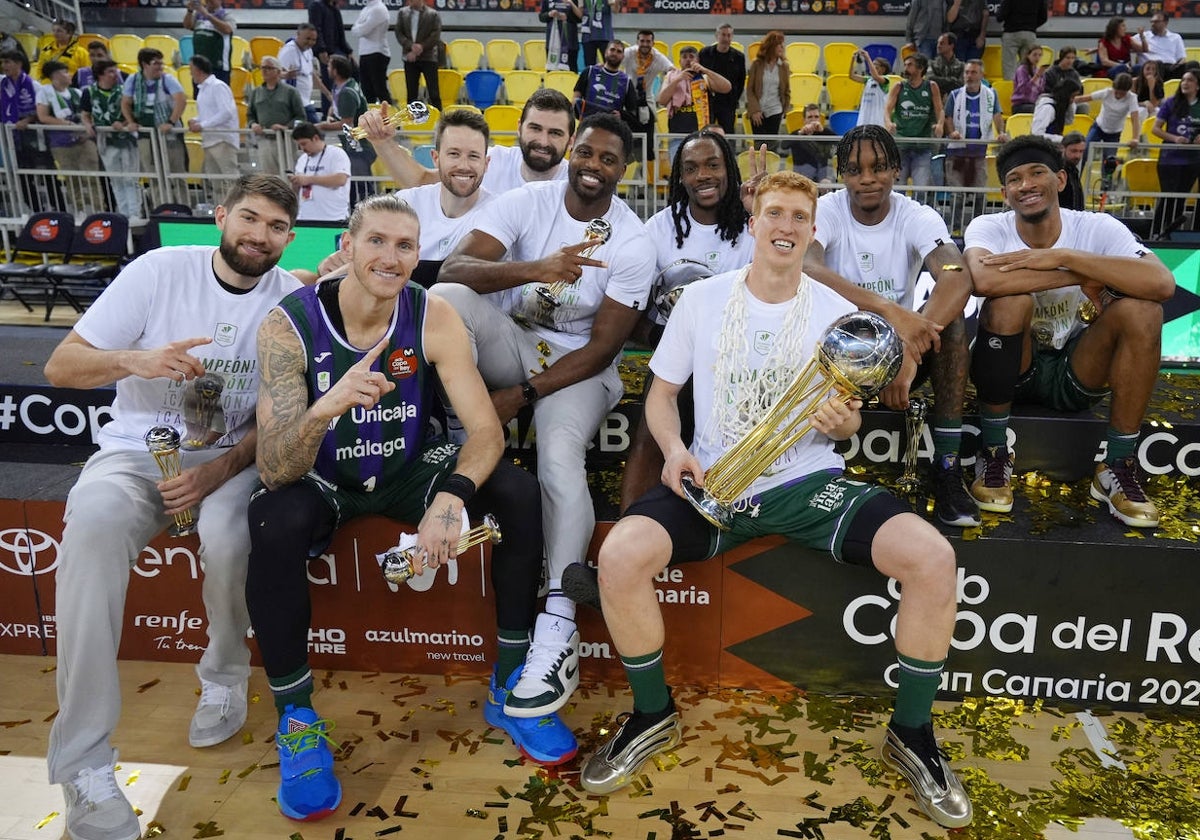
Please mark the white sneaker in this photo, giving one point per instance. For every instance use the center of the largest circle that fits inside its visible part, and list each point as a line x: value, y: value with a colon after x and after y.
x: 551, y: 670
x: 220, y: 714
x: 96, y: 808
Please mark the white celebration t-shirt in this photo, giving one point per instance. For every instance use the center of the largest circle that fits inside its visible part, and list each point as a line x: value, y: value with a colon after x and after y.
x: 318, y: 203
x: 504, y: 170
x: 440, y: 233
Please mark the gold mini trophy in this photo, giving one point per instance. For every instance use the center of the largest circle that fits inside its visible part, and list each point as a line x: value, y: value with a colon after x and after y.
x: 163, y: 443
x: 397, y: 563
x: 598, y: 232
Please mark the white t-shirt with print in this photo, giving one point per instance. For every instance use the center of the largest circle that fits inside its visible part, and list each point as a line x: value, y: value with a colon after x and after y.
x: 440, y: 233
x: 884, y: 258
x: 689, y: 349
x: 1114, y: 112
x: 171, y: 294
x: 1056, y: 311
x: 534, y: 223
x: 318, y: 203
x: 504, y: 170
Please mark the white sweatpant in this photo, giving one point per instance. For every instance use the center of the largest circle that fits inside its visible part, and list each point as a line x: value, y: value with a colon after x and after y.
x: 112, y: 512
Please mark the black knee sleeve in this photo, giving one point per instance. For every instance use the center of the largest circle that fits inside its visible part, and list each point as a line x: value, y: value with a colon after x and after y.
x: 996, y: 366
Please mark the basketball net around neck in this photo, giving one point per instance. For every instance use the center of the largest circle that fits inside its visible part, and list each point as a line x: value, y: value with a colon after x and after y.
x: 742, y: 396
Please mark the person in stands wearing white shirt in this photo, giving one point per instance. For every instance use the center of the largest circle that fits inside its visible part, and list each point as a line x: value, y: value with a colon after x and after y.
x: 172, y: 316
x: 322, y: 177
x: 1165, y: 47
x: 1117, y: 105
x: 972, y: 113
x: 498, y: 279
x: 543, y: 136
x: 371, y: 26
x: 297, y: 62
x: 216, y: 120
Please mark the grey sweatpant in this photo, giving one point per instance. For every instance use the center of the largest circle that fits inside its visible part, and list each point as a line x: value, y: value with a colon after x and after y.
x: 113, y: 511
x: 565, y: 422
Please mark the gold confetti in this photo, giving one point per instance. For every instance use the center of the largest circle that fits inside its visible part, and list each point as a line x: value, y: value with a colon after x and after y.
x: 46, y: 819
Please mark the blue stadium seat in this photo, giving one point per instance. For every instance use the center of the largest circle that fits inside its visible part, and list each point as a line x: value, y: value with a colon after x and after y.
x: 483, y: 88
x: 842, y: 121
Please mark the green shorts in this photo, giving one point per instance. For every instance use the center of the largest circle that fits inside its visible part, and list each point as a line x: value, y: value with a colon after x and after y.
x: 1050, y: 382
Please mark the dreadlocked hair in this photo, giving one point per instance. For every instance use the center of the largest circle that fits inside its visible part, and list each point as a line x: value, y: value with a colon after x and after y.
x: 731, y: 214
x: 881, y: 142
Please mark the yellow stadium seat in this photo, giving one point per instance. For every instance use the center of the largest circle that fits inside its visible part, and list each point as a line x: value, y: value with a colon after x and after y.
x: 239, y: 79
x: 806, y: 89
x: 1090, y: 86
x: 1003, y: 88
x: 1018, y: 125
x: 662, y: 47
x: 994, y: 195
x: 561, y: 80
x: 262, y: 46
x: 845, y: 94
x: 803, y: 56
x: 184, y: 75
x: 794, y: 120
x: 128, y: 69
x: 502, y: 54
x: 838, y: 55
x: 752, y: 51
x: 774, y: 162
x: 1081, y: 123
x: 1170, y: 86
x: 28, y: 41
x: 679, y: 45
x: 239, y: 51
x: 124, y: 48
x: 993, y: 63
x: 503, y: 119
x: 464, y: 54
x: 87, y: 38
x: 1150, y: 144
x: 189, y: 113
x: 737, y: 45
x: 535, y: 54
x: 1048, y: 56
x: 519, y: 85
x: 1141, y: 176
x: 195, y: 155
x: 241, y: 112
x: 167, y: 44
x: 397, y: 87
x: 450, y: 84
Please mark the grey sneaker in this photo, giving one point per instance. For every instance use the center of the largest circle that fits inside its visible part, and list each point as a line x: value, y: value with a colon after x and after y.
x: 220, y: 714
x: 915, y: 755
x: 580, y: 583
x: 551, y: 671
x: 640, y: 738
x: 96, y: 808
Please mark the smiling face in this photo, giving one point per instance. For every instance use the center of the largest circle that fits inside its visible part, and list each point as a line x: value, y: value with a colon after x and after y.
x: 1032, y: 189
x: 645, y: 44
x: 383, y: 252
x: 461, y: 160
x: 783, y: 226
x: 254, y: 233
x: 704, y: 176
x: 597, y: 165
x: 543, y: 137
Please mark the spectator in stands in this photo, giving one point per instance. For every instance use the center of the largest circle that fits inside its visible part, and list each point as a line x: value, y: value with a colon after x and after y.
x: 562, y: 34
x: 273, y: 108
x: 872, y: 107
x: 596, y: 28
x: 768, y: 88
x: 709, y: 339
x: 1017, y: 261
x: 212, y: 34
x: 18, y: 108
x: 216, y: 120
x: 152, y: 99
x: 153, y: 343
x: 1055, y: 108
x: 968, y: 20
x: 728, y: 63
x: 1178, y: 126
x: 84, y: 76
x: 870, y: 245
x: 1029, y: 81
x: 914, y: 109
x: 574, y: 347
x: 543, y: 136
x: 326, y: 18
x: 59, y: 104
x: 1116, y: 49
x: 605, y: 89
x: 1021, y: 20
x: 1071, y: 196
x: 972, y: 113
x: 811, y: 158
x: 419, y: 31
x: 646, y: 65
x: 348, y: 104
x: 925, y: 24
x: 10, y: 44
x: 685, y: 94
x: 311, y: 337
x: 1117, y: 106
x: 1165, y: 47
x: 322, y: 177
x: 62, y: 45
x: 946, y: 69
x: 1148, y: 88
x: 100, y: 107
x: 1063, y: 68
x: 371, y: 26
x: 296, y: 61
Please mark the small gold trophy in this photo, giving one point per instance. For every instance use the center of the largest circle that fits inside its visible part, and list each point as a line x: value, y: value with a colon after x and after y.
x: 914, y: 421
x: 397, y: 563
x: 201, y: 411
x: 598, y: 232
x: 163, y: 443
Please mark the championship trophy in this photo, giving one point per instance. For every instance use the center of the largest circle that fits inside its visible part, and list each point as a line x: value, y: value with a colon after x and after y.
x: 914, y: 421
x: 416, y: 113
x: 201, y: 404
x: 596, y: 234
x: 397, y: 562
x: 670, y: 283
x: 163, y: 443
x: 857, y: 355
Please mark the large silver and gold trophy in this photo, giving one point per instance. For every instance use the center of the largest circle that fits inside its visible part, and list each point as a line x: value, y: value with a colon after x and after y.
x: 857, y: 355
x: 397, y: 562
x: 415, y: 113
x: 201, y: 411
x: 163, y: 443
x: 669, y: 284
x: 597, y: 232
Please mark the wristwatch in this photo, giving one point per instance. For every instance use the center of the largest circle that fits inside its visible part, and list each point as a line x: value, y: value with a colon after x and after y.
x: 529, y: 392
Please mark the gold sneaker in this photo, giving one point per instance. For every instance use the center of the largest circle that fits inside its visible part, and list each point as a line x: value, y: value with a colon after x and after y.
x: 992, y: 486
x: 1119, y: 486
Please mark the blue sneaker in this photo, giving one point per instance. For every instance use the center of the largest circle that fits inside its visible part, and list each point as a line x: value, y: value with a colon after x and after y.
x: 546, y: 740
x: 308, y: 789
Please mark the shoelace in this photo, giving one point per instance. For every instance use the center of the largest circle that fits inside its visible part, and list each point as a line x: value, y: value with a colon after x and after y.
x: 1125, y: 472
x: 308, y: 738
x: 543, y: 659
x: 995, y: 465
x: 215, y: 694
x: 96, y: 785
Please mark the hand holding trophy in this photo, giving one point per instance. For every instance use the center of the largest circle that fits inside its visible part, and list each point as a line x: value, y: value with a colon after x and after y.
x: 416, y: 113
x: 397, y: 562
x: 598, y: 232
x: 163, y: 443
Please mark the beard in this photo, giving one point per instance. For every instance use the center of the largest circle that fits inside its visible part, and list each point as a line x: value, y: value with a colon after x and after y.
x: 243, y: 265
x: 538, y: 165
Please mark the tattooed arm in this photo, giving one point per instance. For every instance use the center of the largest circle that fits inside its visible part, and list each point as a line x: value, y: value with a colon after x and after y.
x: 289, y: 429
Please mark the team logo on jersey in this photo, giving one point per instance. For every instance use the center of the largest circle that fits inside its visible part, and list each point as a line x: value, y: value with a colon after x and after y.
x: 225, y: 334
x: 763, y: 339
x: 402, y: 363
x: 323, y: 380
x: 866, y: 261
x: 712, y: 259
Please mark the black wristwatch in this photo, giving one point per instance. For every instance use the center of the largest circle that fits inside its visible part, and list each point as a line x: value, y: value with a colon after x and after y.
x: 529, y: 392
